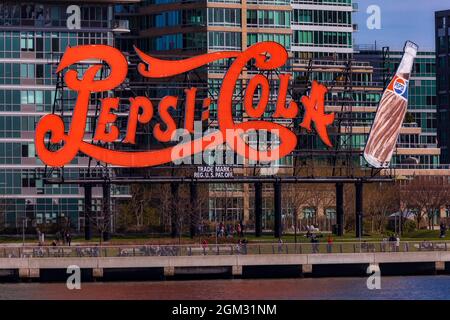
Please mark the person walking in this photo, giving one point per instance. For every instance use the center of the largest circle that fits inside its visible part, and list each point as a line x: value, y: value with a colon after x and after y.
x: 329, y: 244
x: 314, y: 244
x: 397, y: 243
x: 204, y: 246
x: 241, y: 227
x: 39, y: 236
x: 443, y: 230
x: 280, y: 245
x: 69, y: 238
x: 238, y: 246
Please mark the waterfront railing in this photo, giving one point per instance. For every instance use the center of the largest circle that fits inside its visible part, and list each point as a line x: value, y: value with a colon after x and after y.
x: 82, y: 251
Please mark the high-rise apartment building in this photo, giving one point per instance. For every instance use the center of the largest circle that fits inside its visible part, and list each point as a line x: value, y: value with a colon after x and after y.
x: 442, y: 21
x: 322, y: 28
x: 33, y: 36
x: 187, y: 27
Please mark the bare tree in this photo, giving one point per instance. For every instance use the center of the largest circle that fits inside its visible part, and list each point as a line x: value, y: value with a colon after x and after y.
x: 196, y: 206
x: 296, y: 197
x: 165, y: 203
x: 319, y: 196
x: 141, y: 196
x: 101, y: 222
x: 426, y: 195
x: 381, y: 200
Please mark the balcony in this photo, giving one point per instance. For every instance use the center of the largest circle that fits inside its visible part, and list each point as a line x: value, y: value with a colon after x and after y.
x: 417, y: 145
x: 324, y: 2
x: 269, y: 2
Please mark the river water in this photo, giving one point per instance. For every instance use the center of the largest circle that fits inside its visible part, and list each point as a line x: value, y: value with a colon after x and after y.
x: 392, y: 288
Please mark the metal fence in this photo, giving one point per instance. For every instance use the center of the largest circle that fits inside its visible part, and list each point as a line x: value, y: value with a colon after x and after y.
x: 220, y: 249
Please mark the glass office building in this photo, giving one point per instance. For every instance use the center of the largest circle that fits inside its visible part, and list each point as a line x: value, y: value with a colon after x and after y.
x: 322, y: 29
x: 33, y: 36
x: 443, y: 84
x: 199, y: 26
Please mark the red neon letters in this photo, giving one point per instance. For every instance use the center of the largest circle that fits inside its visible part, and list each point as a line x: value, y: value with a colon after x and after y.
x: 267, y: 56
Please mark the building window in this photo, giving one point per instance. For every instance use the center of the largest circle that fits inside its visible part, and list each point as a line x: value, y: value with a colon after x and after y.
x: 31, y: 97
x: 224, y: 17
x: 323, y: 39
x: 226, y: 1
x: 224, y: 40
x: 268, y: 19
x: 283, y: 39
x: 27, y: 41
x: 322, y: 17
x: 27, y: 71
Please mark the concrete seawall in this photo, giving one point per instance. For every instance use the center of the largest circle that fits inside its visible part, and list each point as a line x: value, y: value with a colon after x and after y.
x: 164, y: 267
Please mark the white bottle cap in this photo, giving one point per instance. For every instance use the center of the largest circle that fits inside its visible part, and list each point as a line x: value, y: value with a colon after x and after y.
x: 411, y: 48
x: 410, y: 54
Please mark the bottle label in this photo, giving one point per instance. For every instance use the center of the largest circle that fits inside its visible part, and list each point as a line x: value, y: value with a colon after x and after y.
x: 399, y: 86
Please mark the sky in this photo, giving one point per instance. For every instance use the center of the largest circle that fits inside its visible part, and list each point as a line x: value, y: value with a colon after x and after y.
x: 401, y: 20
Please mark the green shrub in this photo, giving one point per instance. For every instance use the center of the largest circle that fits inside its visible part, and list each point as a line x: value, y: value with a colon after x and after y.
x: 409, y: 226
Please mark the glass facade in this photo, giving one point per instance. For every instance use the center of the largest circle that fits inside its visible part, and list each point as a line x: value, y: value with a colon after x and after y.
x: 230, y: 17
x: 442, y: 20
x: 188, y: 17
x: 322, y: 39
x: 283, y: 39
x: 268, y: 19
x: 223, y: 40
x: 33, y: 37
x: 322, y: 17
x: 322, y: 28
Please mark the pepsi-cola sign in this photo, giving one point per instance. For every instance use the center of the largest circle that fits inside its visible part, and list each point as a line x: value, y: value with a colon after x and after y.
x: 68, y: 141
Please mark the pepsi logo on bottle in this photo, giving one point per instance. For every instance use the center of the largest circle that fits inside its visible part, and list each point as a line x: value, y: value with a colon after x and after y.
x: 399, y: 86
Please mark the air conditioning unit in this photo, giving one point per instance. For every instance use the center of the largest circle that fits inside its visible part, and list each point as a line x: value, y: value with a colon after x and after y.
x: 120, y: 26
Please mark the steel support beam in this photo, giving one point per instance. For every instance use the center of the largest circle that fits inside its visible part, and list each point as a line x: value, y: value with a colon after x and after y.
x: 106, y: 211
x: 339, y: 209
x: 359, y: 226
x: 194, y: 214
x: 277, y: 209
x: 241, y: 179
x: 258, y: 209
x: 87, y: 211
x: 174, y: 216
